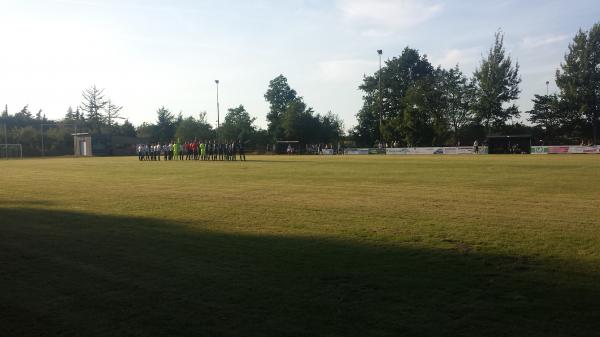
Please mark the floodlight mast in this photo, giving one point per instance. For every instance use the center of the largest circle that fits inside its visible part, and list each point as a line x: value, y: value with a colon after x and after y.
x: 6, y: 138
x: 380, y: 52
x: 42, y: 133
x: 218, y: 112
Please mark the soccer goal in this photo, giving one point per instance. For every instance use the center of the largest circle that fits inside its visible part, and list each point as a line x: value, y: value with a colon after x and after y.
x: 11, y: 151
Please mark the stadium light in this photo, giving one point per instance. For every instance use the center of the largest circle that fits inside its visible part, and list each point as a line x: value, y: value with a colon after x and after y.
x: 6, y: 137
x: 380, y: 52
x: 218, y: 114
x: 547, y: 86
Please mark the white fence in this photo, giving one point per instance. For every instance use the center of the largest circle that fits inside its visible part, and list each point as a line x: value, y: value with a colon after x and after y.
x: 431, y: 150
x: 466, y: 150
x: 565, y: 149
x: 356, y: 151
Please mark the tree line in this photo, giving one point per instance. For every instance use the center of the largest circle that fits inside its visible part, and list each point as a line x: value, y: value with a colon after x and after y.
x: 409, y: 102
x: 422, y: 105
x: 290, y: 119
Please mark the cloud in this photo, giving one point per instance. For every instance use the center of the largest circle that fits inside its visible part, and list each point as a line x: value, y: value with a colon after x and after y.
x: 345, y: 70
x: 390, y: 15
x: 544, y: 40
x: 465, y: 58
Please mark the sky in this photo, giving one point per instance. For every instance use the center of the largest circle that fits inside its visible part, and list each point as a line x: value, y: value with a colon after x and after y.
x: 152, y: 53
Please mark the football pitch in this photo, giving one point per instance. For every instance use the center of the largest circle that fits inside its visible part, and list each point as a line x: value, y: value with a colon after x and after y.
x: 301, y: 246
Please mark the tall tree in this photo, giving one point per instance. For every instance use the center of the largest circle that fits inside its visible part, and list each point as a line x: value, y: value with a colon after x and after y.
x: 25, y: 113
x: 23, y: 118
x: 70, y: 115
x: 39, y: 117
x: 126, y: 129
x: 279, y: 95
x: 238, y: 124
x: 331, y: 128
x: 93, y: 103
x: 546, y: 114
x: 111, y: 113
x: 190, y: 128
x: 399, y: 75
x: 579, y: 80
x: 497, y: 84
x: 148, y: 132
x: 422, y: 122
x: 366, y: 131
x: 165, y: 125
x: 79, y: 116
x: 457, y: 94
x: 296, y: 123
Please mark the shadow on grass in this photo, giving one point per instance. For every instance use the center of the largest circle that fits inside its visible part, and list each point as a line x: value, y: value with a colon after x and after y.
x: 76, y: 274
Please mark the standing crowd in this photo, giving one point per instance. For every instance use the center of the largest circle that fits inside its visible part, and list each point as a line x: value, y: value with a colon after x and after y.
x: 196, y: 150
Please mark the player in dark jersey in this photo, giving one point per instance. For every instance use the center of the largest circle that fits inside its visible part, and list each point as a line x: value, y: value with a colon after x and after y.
x: 233, y: 150
x: 215, y: 150
x: 240, y: 146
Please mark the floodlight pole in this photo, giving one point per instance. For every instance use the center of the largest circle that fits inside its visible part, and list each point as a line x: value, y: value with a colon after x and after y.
x: 547, y: 88
x: 380, y: 52
x: 5, y: 141
x: 42, y: 131
x: 218, y: 112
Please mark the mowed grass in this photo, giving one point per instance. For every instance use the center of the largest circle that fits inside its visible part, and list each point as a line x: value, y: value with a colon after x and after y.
x: 301, y: 246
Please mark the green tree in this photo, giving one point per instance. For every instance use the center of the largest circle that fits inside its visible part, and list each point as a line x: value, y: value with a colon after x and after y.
x: 23, y: 118
x: 298, y: 123
x: 24, y: 114
x: 546, y: 114
x: 579, y: 78
x: 421, y: 117
x: 29, y: 138
x: 149, y: 132
x: 92, y: 104
x: 279, y: 95
x: 112, y: 113
x: 366, y: 132
x: 496, y: 85
x: 398, y: 77
x: 79, y: 116
x: 190, y: 129
x: 291, y: 119
x: 457, y: 95
x: 126, y: 129
x: 165, y: 125
x: 238, y: 124
x: 331, y: 128
x: 70, y: 115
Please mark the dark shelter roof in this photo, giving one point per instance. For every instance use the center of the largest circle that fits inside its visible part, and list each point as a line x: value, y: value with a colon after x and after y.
x: 509, y: 136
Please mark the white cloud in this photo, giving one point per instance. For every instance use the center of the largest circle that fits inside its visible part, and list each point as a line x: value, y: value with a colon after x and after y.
x: 345, y: 70
x: 545, y: 40
x: 465, y: 58
x: 388, y: 14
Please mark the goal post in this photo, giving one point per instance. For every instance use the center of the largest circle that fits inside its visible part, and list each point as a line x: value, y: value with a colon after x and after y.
x: 11, y: 151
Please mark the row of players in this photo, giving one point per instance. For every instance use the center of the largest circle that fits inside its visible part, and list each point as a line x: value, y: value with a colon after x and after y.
x: 210, y: 150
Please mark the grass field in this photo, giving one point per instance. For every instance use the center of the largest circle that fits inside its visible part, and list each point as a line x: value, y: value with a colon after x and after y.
x: 301, y: 246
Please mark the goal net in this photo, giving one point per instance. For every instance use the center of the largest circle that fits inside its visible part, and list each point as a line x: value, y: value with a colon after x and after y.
x: 11, y: 151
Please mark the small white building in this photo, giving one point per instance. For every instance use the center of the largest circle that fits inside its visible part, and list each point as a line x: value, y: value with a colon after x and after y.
x: 82, y: 143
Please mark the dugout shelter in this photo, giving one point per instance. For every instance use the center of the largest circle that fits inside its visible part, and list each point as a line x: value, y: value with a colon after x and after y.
x: 281, y: 146
x: 513, y: 144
